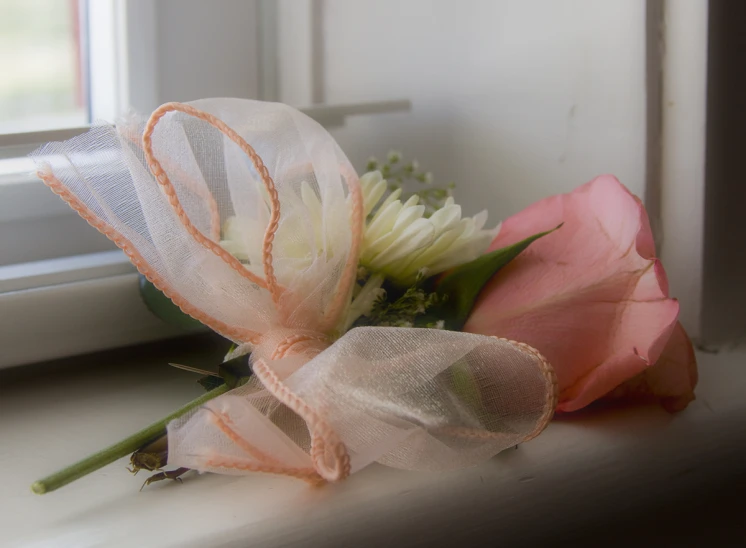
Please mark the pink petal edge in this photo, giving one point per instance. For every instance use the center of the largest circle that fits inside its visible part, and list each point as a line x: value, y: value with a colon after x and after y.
x: 671, y: 380
x: 591, y: 296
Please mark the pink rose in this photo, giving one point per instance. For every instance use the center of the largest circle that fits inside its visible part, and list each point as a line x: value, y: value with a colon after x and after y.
x: 593, y: 298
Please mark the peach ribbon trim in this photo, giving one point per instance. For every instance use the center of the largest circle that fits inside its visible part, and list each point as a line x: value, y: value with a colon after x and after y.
x: 331, y: 461
x: 328, y: 453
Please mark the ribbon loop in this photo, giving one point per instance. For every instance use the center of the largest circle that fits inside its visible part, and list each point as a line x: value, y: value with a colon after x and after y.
x: 328, y: 454
x: 410, y: 398
x: 318, y: 408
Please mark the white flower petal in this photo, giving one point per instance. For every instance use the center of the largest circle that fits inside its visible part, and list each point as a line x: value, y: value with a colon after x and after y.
x: 374, y: 187
x: 446, y: 218
x: 407, y: 217
x: 469, y: 228
x: 235, y: 248
x: 417, y: 235
x: 311, y: 201
x: 233, y: 228
x: 426, y: 257
x: 412, y: 201
x: 398, y: 241
x: 363, y: 302
x: 383, y: 221
x: 463, y: 252
x: 480, y: 219
x: 390, y: 199
x: 371, y: 250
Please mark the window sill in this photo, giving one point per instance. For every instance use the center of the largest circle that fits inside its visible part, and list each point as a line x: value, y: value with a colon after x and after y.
x: 607, y: 464
x: 86, y: 307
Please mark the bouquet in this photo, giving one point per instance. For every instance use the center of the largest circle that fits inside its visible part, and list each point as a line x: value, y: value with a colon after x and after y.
x: 368, y: 324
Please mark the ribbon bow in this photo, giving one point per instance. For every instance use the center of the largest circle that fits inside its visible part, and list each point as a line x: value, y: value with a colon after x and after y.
x: 322, y: 403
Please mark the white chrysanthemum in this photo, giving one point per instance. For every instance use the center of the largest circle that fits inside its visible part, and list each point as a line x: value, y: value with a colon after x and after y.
x: 300, y: 239
x: 234, y: 241
x: 399, y: 242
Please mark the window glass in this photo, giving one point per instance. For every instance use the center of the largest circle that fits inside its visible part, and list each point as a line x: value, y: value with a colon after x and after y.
x: 43, y: 67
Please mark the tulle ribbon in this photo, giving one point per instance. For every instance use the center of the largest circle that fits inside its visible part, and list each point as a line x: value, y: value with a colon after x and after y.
x: 322, y: 403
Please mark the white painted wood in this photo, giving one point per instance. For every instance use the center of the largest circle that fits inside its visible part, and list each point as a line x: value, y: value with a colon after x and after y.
x: 318, y: 56
x: 268, y: 50
x: 683, y: 154
x: 294, y: 42
x: 513, y: 100
x: 724, y: 263
x: 107, y: 80
x: 75, y: 318
x: 336, y: 115
x: 63, y: 270
x: 20, y: 144
x: 24, y: 196
x: 583, y: 470
x: 206, y: 49
x: 139, y: 62
x: 55, y: 232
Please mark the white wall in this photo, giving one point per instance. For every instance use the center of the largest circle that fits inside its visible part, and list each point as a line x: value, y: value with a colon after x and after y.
x: 219, y: 37
x: 512, y: 99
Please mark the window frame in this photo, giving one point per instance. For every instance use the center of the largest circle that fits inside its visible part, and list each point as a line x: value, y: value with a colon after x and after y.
x: 676, y: 52
x: 683, y: 112
x: 87, y: 301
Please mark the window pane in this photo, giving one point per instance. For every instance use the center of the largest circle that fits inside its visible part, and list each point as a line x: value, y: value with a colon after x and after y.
x: 42, y: 84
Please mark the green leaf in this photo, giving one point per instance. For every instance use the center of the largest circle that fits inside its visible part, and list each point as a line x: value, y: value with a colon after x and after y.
x: 163, y: 307
x: 463, y: 284
x: 208, y: 382
x: 235, y: 372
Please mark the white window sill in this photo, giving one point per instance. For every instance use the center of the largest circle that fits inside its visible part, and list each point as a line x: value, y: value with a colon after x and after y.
x: 583, y: 470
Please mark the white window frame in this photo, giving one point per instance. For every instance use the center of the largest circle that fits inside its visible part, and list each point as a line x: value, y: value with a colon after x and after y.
x: 87, y: 301
x: 683, y: 54
x: 65, y: 296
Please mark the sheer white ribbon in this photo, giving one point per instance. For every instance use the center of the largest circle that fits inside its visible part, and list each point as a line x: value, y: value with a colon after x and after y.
x: 322, y: 404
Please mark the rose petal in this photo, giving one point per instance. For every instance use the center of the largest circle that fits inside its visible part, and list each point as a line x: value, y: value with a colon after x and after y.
x: 671, y: 380
x: 590, y: 296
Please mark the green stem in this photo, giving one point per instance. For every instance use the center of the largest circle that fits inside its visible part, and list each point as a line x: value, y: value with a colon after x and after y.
x: 119, y: 449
